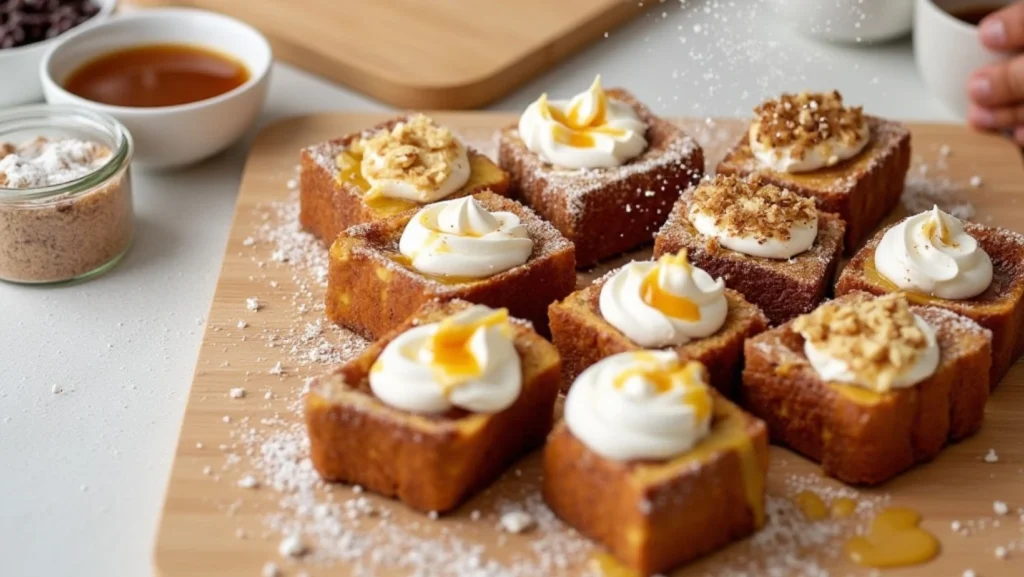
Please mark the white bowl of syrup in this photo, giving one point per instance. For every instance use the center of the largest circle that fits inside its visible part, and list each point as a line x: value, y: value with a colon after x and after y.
x: 186, y: 83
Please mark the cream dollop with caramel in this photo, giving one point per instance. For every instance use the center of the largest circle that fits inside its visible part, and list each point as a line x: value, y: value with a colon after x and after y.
x: 589, y: 131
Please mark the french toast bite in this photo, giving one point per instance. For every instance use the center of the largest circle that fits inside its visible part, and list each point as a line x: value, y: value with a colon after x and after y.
x: 669, y: 304
x: 768, y: 243
x: 485, y: 249
x: 435, y: 410
x: 935, y: 260
x: 653, y: 464
x: 869, y: 386
x: 601, y: 167
x: 393, y: 168
x: 850, y: 163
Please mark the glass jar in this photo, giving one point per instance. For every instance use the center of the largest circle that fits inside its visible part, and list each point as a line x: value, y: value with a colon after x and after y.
x: 72, y: 230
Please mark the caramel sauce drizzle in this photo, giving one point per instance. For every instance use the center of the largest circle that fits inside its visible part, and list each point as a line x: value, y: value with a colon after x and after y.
x: 453, y: 361
x: 811, y: 505
x: 689, y: 377
x: 893, y: 540
x: 572, y: 128
x: 672, y: 305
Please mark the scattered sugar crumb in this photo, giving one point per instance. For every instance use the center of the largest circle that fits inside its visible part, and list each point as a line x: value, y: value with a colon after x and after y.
x: 1000, y: 508
x: 199, y: 445
x: 249, y: 241
x: 237, y: 393
x: 432, y: 515
x: 270, y: 569
x: 277, y: 369
x: 516, y: 521
x: 248, y: 482
x: 1001, y: 552
x: 970, y: 573
x: 226, y: 418
x: 242, y: 324
x: 991, y: 456
x: 207, y: 470
x: 357, y: 489
x: 955, y: 526
x: 475, y: 515
x: 253, y: 304
x: 56, y: 390
x: 976, y: 181
x: 240, y: 533
x: 268, y: 395
x: 291, y: 546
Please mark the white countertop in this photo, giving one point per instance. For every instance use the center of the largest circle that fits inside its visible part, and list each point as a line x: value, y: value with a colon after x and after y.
x: 83, y: 472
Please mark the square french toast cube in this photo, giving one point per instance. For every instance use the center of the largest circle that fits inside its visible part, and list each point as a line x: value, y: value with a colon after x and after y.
x: 372, y: 288
x: 607, y: 211
x: 431, y: 462
x: 858, y: 435
x: 583, y: 337
x: 656, y: 515
x: 332, y: 199
x: 862, y: 190
x: 782, y: 289
x: 999, y: 309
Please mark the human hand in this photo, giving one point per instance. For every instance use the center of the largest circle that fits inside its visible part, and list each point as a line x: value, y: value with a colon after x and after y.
x: 997, y: 90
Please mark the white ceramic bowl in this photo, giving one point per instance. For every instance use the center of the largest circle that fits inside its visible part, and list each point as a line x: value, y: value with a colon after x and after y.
x: 19, y: 67
x: 848, y: 20
x: 169, y: 136
x: 948, y: 50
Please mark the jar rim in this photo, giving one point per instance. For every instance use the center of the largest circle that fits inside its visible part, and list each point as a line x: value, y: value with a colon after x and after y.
x: 45, y: 114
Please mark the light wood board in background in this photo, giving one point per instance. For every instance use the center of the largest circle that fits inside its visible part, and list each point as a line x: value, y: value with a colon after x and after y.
x: 444, y: 54
x: 204, y: 511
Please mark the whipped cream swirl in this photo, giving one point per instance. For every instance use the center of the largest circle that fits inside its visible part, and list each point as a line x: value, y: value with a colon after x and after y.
x: 588, y: 131
x: 462, y: 238
x: 467, y: 361
x: 640, y: 405
x: 665, y: 303
x: 832, y: 369
x: 930, y: 253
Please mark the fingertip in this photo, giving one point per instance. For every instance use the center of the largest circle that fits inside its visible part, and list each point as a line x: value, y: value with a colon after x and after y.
x: 1018, y: 135
x: 979, y: 117
x: 993, y: 32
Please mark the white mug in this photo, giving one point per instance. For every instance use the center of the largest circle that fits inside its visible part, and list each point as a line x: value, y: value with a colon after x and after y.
x: 948, y: 50
x: 848, y: 20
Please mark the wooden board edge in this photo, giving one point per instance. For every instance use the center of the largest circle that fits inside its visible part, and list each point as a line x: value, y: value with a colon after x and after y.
x: 467, y: 93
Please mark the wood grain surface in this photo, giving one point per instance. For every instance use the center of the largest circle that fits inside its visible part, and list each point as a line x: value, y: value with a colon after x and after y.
x: 444, y: 54
x: 211, y: 526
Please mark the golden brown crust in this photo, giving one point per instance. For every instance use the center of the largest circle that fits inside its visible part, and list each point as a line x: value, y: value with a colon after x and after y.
x: 370, y: 292
x: 999, y: 309
x: 431, y: 463
x: 328, y: 206
x: 862, y: 190
x: 857, y: 435
x: 654, y: 516
x: 584, y: 337
x: 782, y: 289
x: 605, y: 212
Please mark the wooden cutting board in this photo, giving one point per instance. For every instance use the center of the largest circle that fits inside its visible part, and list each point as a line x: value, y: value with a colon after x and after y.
x: 213, y: 527
x: 443, y: 54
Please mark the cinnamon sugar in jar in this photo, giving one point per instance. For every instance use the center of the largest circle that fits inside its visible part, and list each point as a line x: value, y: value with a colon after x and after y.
x: 65, y: 194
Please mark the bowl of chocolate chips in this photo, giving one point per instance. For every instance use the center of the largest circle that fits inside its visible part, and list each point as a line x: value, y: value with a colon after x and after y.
x: 27, y: 29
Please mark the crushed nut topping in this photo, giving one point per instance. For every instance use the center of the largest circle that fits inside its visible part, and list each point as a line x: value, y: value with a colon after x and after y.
x: 417, y: 151
x: 803, y: 121
x: 752, y: 207
x: 877, y: 338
